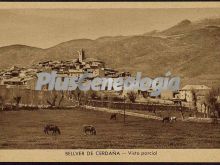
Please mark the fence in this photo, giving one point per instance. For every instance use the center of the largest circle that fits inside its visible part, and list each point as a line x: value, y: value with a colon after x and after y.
x: 136, y: 106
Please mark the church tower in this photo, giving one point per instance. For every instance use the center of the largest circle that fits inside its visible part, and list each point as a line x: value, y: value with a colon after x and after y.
x: 81, y: 55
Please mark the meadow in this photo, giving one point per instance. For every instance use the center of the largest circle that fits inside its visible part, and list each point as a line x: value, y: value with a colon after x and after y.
x: 24, y: 130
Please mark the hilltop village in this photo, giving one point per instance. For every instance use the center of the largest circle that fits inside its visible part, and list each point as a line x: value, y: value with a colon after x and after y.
x: 25, y: 78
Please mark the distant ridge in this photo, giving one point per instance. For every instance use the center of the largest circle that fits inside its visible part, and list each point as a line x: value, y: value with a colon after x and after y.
x: 189, y: 49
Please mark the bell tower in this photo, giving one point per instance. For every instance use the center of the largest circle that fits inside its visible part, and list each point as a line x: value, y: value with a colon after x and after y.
x: 81, y: 55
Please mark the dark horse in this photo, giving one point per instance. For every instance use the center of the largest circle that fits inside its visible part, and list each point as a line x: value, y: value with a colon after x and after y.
x: 89, y: 128
x: 169, y: 119
x: 50, y: 127
x: 166, y: 119
x: 113, y: 116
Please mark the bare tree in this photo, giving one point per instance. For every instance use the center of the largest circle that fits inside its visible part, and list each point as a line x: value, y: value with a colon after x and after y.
x: 132, y: 96
x: 93, y: 95
x: 181, y: 111
x: 194, y: 98
x: 212, y: 102
x: 205, y: 106
x: 77, y: 95
x: 61, y: 99
x: 17, y: 101
x: 2, y: 102
x: 53, y: 102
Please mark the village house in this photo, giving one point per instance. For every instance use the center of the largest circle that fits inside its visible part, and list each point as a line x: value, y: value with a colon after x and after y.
x: 7, y: 75
x: 45, y: 63
x: 167, y: 94
x: 193, y: 96
x: 27, y: 82
x: 109, y: 72
x: 95, y: 63
x: 124, y: 74
x: 186, y: 93
x: 14, y: 81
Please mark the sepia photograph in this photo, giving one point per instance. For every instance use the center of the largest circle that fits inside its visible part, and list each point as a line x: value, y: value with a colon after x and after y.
x: 110, y: 78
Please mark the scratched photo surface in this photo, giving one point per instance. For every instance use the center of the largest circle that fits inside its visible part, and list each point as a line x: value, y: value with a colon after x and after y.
x: 37, y: 111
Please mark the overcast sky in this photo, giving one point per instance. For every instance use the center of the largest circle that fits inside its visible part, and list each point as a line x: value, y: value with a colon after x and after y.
x: 48, y: 27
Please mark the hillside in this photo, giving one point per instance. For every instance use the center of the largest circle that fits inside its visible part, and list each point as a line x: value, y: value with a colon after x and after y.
x: 20, y: 55
x: 189, y: 49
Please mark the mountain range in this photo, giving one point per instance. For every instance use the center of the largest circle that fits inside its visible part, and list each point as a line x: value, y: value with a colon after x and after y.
x: 188, y: 49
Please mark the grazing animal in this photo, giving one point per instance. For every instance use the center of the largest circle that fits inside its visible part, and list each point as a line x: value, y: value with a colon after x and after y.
x: 172, y: 119
x: 166, y: 119
x: 89, y: 128
x: 169, y: 119
x: 113, y: 116
x: 50, y: 127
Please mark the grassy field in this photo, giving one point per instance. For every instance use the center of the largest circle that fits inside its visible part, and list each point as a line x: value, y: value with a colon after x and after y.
x: 24, y: 130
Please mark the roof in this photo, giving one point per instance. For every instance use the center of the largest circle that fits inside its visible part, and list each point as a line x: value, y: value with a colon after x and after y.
x: 13, y: 79
x: 110, y: 70
x: 92, y: 60
x: 196, y: 87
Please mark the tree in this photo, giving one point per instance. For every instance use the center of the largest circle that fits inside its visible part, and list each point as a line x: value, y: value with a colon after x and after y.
x: 181, y: 110
x: 53, y: 102
x: 77, y: 95
x: 93, y: 95
x: 61, y: 99
x: 132, y: 96
x: 204, y: 103
x: 17, y: 100
x: 194, y: 98
x: 2, y: 102
x: 212, y: 102
x: 54, y: 99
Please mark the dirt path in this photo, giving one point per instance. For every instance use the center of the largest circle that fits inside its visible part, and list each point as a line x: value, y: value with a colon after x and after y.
x: 147, y: 116
x: 122, y: 112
